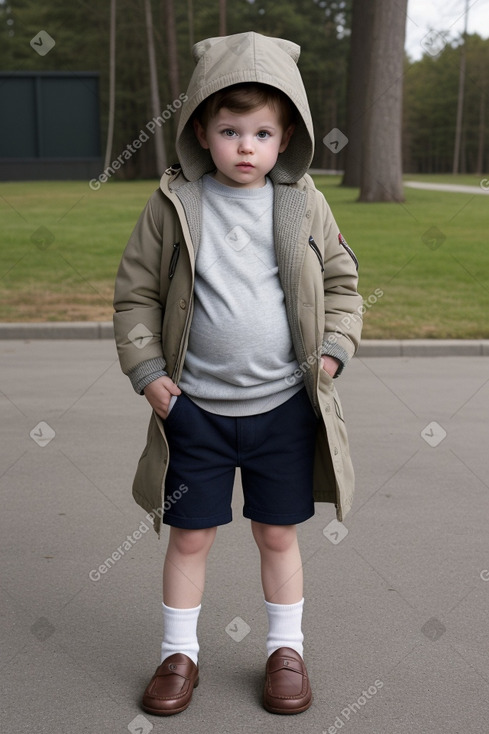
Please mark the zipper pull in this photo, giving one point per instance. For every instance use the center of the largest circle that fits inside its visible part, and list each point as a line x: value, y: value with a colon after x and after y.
x: 174, y: 260
x: 174, y: 168
x: 314, y: 247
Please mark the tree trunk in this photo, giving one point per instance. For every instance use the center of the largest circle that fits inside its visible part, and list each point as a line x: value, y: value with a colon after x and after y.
x: 479, y: 168
x: 190, y: 15
x: 461, y: 94
x: 460, y: 111
x: 356, y: 105
x: 382, y: 157
x: 171, y: 43
x: 222, y: 18
x: 110, y: 126
x: 173, y: 70
x: 155, y: 95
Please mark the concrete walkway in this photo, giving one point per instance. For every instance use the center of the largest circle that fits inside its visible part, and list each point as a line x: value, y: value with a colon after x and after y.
x: 483, y: 188
x: 396, y: 633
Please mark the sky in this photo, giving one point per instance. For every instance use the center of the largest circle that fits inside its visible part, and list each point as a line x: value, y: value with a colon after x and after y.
x: 446, y: 16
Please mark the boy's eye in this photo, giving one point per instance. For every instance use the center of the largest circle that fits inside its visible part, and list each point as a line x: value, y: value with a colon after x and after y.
x: 263, y: 135
x: 229, y: 133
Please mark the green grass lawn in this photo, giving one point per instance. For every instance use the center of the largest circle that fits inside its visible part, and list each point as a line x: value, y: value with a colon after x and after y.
x: 70, y: 278
x: 61, y: 243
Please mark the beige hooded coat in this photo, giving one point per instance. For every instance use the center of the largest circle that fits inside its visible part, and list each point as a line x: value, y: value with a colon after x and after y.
x: 154, y: 287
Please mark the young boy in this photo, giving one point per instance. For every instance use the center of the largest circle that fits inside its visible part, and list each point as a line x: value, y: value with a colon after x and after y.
x: 236, y: 305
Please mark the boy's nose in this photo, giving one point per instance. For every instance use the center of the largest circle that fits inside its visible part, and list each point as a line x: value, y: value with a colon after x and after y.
x: 246, y: 145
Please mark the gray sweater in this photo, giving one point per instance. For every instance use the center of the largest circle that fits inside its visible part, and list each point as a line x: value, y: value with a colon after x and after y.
x: 240, y: 348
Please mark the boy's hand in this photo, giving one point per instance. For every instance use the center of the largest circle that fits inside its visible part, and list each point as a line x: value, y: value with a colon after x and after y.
x: 159, y: 393
x: 329, y: 364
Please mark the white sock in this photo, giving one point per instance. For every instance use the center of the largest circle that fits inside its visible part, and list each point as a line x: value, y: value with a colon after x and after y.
x: 284, y: 626
x: 180, y: 632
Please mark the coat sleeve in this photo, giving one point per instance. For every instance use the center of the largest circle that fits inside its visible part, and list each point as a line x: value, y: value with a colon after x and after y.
x: 138, y: 308
x: 343, y: 307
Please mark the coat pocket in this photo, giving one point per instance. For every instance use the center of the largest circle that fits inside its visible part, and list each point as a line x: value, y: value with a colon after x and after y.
x: 337, y: 441
x: 173, y: 415
x: 326, y: 382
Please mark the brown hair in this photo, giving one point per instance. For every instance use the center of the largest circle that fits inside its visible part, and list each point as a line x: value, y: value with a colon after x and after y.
x: 244, y: 98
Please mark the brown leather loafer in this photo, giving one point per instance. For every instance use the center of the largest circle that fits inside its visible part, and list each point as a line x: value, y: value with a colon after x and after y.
x: 287, y: 688
x: 170, y: 689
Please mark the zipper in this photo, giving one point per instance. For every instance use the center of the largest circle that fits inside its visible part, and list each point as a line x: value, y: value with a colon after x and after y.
x: 183, y: 345
x: 347, y: 247
x: 180, y: 212
x: 315, y: 248
x: 174, y: 260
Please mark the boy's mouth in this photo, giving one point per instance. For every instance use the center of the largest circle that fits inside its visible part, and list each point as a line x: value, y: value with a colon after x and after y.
x: 245, y: 165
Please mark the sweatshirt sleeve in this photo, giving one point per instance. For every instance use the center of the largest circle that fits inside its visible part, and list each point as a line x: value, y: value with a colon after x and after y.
x: 342, y: 303
x: 138, y: 309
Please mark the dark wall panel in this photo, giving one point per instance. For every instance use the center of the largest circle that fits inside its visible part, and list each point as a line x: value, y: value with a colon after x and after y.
x: 18, y: 138
x: 69, y: 118
x: 49, y: 125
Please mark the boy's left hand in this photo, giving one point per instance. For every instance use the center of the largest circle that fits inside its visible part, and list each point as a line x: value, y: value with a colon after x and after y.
x: 329, y: 364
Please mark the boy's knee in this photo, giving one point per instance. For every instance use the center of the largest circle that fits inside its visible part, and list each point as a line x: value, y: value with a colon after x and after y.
x: 275, y: 538
x: 189, y: 542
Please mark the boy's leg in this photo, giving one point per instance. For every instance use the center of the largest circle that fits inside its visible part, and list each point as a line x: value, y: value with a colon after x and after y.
x: 281, y: 565
x: 287, y: 688
x: 198, y: 495
x: 282, y: 581
x: 184, y: 567
x: 183, y: 586
x: 277, y: 463
x: 170, y: 689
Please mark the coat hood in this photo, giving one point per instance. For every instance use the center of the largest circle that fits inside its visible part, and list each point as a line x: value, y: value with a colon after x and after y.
x: 246, y: 57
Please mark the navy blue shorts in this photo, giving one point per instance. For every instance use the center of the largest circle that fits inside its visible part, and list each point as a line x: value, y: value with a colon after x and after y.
x: 274, y: 450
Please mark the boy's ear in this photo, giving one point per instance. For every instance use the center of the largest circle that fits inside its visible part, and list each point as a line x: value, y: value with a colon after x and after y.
x: 286, y: 138
x: 200, y: 134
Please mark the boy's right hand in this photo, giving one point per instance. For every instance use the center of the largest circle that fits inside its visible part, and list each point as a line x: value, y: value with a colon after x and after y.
x: 159, y: 393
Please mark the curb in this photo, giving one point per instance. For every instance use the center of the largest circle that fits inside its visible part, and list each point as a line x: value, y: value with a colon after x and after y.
x: 368, y: 347
x: 424, y: 348
x: 58, y: 330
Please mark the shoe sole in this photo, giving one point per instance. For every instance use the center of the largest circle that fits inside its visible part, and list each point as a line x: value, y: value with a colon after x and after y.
x: 298, y: 710
x: 170, y: 712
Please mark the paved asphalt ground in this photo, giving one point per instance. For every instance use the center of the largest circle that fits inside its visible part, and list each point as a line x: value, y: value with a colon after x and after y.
x: 397, y: 638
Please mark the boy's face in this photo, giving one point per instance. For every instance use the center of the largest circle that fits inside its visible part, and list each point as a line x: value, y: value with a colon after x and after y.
x: 244, y: 146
